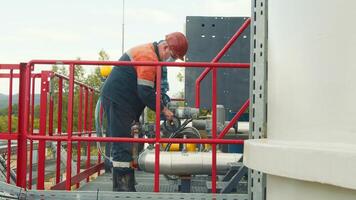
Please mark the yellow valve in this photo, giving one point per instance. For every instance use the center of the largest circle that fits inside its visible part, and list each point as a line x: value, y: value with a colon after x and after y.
x: 173, y: 147
x: 191, y: 147
x: 105, y: 70
x: 176, y: 147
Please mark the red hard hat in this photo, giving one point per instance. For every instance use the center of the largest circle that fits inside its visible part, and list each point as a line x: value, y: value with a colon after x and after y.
x: 178, y: 43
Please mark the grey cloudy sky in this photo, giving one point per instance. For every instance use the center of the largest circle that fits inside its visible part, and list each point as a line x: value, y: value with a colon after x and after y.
x: 66, y: 29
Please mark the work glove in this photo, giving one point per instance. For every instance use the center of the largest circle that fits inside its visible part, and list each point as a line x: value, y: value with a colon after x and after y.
x: 167, y: 114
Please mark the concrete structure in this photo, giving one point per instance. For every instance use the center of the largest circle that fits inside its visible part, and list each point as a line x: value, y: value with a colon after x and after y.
x: 310, y: 149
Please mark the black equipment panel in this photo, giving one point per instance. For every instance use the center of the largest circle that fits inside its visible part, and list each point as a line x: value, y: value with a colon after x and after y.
x: 207, y: 36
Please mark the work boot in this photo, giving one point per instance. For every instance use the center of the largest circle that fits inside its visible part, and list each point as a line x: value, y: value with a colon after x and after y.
x: 123, y: 179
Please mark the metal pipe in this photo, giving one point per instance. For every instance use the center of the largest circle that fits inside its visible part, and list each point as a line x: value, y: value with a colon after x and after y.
x: 205, y: 124
x: 186, y: 163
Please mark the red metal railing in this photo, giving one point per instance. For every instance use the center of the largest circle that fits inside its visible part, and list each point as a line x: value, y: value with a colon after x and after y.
x: 10, y: 134
x: 24, y: 134
x: 84, y: 127
x: 44, y: 76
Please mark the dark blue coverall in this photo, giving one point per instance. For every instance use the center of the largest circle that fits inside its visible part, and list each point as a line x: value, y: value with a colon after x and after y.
x: 125, y: 94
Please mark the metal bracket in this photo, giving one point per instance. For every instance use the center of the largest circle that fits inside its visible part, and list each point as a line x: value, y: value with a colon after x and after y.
x: 258, y: 90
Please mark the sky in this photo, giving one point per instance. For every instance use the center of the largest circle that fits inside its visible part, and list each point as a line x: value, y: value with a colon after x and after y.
x: 67, y: 29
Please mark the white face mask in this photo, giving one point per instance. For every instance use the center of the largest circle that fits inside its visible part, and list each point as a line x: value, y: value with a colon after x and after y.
x: 170, y: 59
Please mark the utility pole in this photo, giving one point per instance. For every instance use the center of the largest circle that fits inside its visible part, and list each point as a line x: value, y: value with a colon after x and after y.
x: 123, y: 27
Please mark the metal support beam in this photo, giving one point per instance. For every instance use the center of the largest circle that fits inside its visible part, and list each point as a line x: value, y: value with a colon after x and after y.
x: 234, y: 180
x: 234, y: 168
x: 258, y: 91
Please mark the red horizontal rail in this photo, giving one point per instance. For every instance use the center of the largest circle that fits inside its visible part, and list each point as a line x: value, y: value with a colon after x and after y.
x: 8, y: 136
x: 91, y: 139
x: 9, y: 66
x: 75, y: 82
x: 76, y: 133
x: 137, y: 140
x: 79, y: 177
x: 4, y: 75
x: 129, y: 63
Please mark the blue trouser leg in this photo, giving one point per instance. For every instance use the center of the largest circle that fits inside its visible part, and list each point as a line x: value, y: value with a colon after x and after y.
x: 119, y: 125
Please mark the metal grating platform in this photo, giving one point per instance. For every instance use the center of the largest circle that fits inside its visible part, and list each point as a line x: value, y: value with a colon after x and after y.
x: 101, y: 189
x: 12, y: 192
x: 145, y: 184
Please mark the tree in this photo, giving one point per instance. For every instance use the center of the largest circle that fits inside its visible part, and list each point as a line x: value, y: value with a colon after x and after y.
x: 103, y: 55
x: 93, y: 80
x: 180, y: 77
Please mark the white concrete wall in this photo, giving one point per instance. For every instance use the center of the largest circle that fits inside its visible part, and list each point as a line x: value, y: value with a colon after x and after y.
x: 311, y: 127
x: 290, y: 189
x: 312, y: 70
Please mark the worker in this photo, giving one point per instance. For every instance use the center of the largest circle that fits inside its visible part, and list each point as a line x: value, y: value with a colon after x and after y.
x: 125, y: 94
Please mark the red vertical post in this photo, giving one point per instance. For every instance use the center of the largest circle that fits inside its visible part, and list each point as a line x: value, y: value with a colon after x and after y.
x: 59, y: 128
x: 70, y: 127
x: 214, y: 130
x: 158, y: 127
x: 23, y: 113
x: 86, y: 96
x: 31, y: 129
x: 101, y: 121
x: 33, y: 103
x: 43, y: 124
x: 8, y: 161
x: 80, y: 115
x: 90, y: 120
x: 50, y: 116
